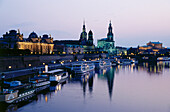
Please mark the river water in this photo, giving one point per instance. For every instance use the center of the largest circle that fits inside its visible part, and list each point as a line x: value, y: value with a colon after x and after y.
x: 125, y: 88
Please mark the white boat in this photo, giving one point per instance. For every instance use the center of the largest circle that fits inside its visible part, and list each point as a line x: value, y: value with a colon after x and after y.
x: 82, y: 67
x: 57, y: 75
x: 39, y: 81
x: 124, y: 61
x: 16, y: 93
x: 102, y: 63
x: 163, y: 59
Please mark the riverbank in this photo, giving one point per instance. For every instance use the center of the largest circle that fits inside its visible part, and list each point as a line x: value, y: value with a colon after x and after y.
x: 23, y: 62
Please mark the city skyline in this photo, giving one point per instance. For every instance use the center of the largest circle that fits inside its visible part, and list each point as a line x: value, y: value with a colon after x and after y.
x: 134, y: 22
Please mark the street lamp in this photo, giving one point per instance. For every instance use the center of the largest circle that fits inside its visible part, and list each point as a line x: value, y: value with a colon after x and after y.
x: 10, y: 67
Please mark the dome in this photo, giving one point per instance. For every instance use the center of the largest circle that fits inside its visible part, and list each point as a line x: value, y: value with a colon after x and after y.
x: 13, y: 32
x: 45, y: 36
x: 90, y: 32
x: 33, y: 35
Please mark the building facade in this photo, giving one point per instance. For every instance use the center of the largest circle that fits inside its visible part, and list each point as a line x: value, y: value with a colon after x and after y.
x: 121, y: 50
x: 36, y: 45
x: 152, y: 48
x: 87, y: 40
x: 83, y: 45
x: 107, y: 44
x: 68, y: 47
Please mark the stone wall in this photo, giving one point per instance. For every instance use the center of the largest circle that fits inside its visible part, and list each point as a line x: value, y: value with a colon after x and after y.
x: 19, y: 62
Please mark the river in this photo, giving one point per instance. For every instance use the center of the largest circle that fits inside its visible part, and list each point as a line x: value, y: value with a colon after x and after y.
x: 125, y: 88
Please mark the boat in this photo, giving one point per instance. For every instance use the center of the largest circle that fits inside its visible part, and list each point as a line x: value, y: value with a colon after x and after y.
x: 16, y: 92
x: 56, y: 76
x: 82, y: 67
x: 163, y: 59
x: 102, y: 63
x: 40, y: 83
x: 124, y: 61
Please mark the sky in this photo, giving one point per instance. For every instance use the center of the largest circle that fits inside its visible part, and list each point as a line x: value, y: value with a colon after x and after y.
x: 135, y: 22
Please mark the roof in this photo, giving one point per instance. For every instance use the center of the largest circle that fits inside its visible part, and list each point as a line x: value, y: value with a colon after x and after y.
x: 54, y: 71
x: 155, y: 42
x: 72, y: 42
x: 103, y: 39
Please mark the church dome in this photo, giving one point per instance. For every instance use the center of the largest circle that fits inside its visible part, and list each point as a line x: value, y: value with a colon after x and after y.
x: 90, y: 32
x: 45, y: 36
x: 33, y: 35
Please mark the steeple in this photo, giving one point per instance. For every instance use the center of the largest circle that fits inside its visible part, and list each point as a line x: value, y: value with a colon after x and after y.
x: 90, y: 38
x: 83, y: 35
x: 110, y: 34
x: 84, y: 27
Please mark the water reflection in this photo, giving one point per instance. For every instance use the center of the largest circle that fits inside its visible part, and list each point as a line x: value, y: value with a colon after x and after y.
x: 107, y: 74
x: 153, y: 68
x: 100, y: 85
x: 84, y: 79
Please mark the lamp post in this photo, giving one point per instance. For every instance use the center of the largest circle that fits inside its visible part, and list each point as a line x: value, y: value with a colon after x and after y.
x: 46, y: 68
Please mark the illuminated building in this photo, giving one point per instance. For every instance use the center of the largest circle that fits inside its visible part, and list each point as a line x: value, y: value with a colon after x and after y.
x: 107, y: 44
x: 68, y: 47
x: 36, y: 45
x: 152, y: 48
x: 121, y: 50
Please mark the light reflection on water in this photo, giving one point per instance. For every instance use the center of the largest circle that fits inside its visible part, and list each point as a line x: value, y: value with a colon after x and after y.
x: 129, y: 88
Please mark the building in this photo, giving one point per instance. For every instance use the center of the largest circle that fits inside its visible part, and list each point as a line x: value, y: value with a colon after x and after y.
x: 121, y: 50
x: 107, y: 44
x: 87, y: 43
x: 152, y: 48
x: 36, y: 45
x: 83, y: 45
x: 68, y: 47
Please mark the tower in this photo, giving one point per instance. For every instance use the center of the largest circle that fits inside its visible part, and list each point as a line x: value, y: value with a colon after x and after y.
x: 90, y: 38
x: 83, y: 35
x: 110, y: 34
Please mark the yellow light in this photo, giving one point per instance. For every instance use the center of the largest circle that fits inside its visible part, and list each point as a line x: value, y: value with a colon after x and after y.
x: 29, y: 65
x: 10, y: 67
x: 46, y: 98
x: 43, y: 63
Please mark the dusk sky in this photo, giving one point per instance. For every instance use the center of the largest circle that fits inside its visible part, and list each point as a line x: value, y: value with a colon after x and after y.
x: 135, y: 22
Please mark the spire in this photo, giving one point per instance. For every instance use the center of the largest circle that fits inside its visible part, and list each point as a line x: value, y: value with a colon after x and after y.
x: 18, y: 31
x: 84, y: 22
x: 84, y: 27
x: 110, y: 34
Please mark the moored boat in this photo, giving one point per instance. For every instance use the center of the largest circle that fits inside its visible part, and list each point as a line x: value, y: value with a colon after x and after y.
x: 14, y: 93
x: 82, y: 67
x: 56, y: 76
x: 124, y: 61
x: 102, y: 63
x: 40, y: 83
